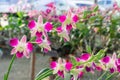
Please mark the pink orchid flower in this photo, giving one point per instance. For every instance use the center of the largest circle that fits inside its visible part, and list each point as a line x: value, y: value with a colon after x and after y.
x: 63, y: 32
x: 110, y: 63
x: 57, y: 66
x: 44, y: 43
x: 38, y: 28
x: 77, y: 73
x: 116, y: 7
x: 21, y: 48
x: 60, y: 67
x: 68, y: 19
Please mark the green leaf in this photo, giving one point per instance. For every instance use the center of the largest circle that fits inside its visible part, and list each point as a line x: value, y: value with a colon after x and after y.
x: 88, y: 49
x: 20, y: 14
x: 58, y: 78
x: 86, y: 13
x: 110, y: 77
x: 5, y: 76
x: 43, y: 74
x: 100, y: 54
x: 80, y: 26
x: 67, y: 76
x: 96, y: 9
x: 73, y: 60
x: 33, y: 38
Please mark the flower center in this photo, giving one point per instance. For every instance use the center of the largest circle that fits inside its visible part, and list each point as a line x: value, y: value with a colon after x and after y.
x: 21, y: 47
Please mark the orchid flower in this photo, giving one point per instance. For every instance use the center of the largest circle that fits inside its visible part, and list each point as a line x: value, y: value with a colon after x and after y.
x: 63, y: 32
x: 77, y: 72
x: 44, y: 43
x: 116, y: 7
x: 21, y: 48
x: 38, y: 28
x: 60, y: 67
x: 110, y: 63
x: 68, y: 22
x: 69, y: 19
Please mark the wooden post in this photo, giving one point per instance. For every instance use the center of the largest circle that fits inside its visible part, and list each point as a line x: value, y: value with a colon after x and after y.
x: 33, y: 58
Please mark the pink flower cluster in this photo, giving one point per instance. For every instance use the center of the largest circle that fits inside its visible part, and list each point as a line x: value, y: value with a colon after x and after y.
x: 40, y: 30
x: 84, y: 64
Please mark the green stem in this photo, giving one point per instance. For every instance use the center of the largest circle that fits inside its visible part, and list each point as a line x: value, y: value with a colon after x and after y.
x: 100, y: 78
x: 9, y: 68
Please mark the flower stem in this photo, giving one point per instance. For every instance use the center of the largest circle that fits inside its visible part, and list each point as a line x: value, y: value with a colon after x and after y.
x: 9, y: 68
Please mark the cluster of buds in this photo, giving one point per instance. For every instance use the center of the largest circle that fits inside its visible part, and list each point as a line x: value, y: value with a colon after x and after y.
x: 85, y: 63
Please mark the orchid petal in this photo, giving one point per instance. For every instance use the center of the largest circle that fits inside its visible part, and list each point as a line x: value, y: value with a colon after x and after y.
x: 45, y: 50
x: 47, y: 47
x: 85, y: 56
x: 114, y: 56
x: 59, y: 29
x: 48, y: 27
x: 29, y: 46
x: 40, y: 20
x: 24, y: 39
x: 106, y: 60
x: 53, y: 65
x: 68, y: 66
x: 39, y: 40
x: 31, y: 24
x: 118, y: 68
x: 80, y: 74
x: 33, y: 33
x: 69, y: 14
x: 26, y: 54
x: 75, y: 18
x: 59, y: 60
x: 62, y: 18
x: 14, y: 50
x: 14, y: 42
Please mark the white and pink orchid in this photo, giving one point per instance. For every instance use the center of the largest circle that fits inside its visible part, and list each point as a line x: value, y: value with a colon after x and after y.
x: 68, y: 19
x: 68, y: 22
x: 44, y: 43
x: 64, y: 32
x: 39, y: 27
x: 110, y: 63
x: 21, y: 48
x: 60, y: 67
